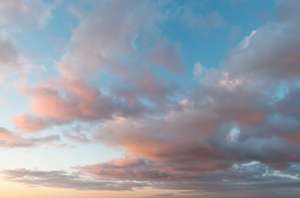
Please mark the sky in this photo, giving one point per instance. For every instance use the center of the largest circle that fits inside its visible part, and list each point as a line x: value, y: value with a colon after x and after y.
x: 149, y: 98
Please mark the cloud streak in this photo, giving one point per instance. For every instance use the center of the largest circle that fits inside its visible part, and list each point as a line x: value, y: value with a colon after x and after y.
x: 9, y: 139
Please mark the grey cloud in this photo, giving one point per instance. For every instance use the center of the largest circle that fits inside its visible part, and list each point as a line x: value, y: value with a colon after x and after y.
x: 62, y: 179
x: 10, y: 57
x: 9, y: 139
x: 251, y: 179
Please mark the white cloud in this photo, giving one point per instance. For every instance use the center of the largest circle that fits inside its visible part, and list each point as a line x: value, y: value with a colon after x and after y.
x: 247, y: 40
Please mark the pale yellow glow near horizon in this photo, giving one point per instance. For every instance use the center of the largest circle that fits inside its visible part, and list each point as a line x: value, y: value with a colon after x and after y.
x: 17, y: 190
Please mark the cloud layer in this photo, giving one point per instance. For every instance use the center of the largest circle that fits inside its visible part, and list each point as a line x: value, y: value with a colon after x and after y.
x: 236, y: 130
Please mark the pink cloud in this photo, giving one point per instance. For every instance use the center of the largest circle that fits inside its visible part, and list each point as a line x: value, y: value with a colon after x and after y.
x: 29, y: 123
x: 68, y: 100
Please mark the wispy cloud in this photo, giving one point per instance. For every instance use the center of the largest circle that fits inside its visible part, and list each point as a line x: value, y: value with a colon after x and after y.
x: 10, y: 139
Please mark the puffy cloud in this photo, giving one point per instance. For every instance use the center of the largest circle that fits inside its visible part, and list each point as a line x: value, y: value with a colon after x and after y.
x: 229, y: 120
x: 122, y: 38
x: 200, y: 120
x: 125, y: 44
x: 269, y: 53
x: 199, y: 135
x: 116, y: 45
x: 69, y: 100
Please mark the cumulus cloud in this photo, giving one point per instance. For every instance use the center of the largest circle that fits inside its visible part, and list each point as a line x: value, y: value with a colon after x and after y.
x: 257, y: 61
x: 196, y: 139
x: 73, y: 100
x: 212, y: 136
x: 125, y: 44
x: 120, y: 39
x: 116, y: 49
